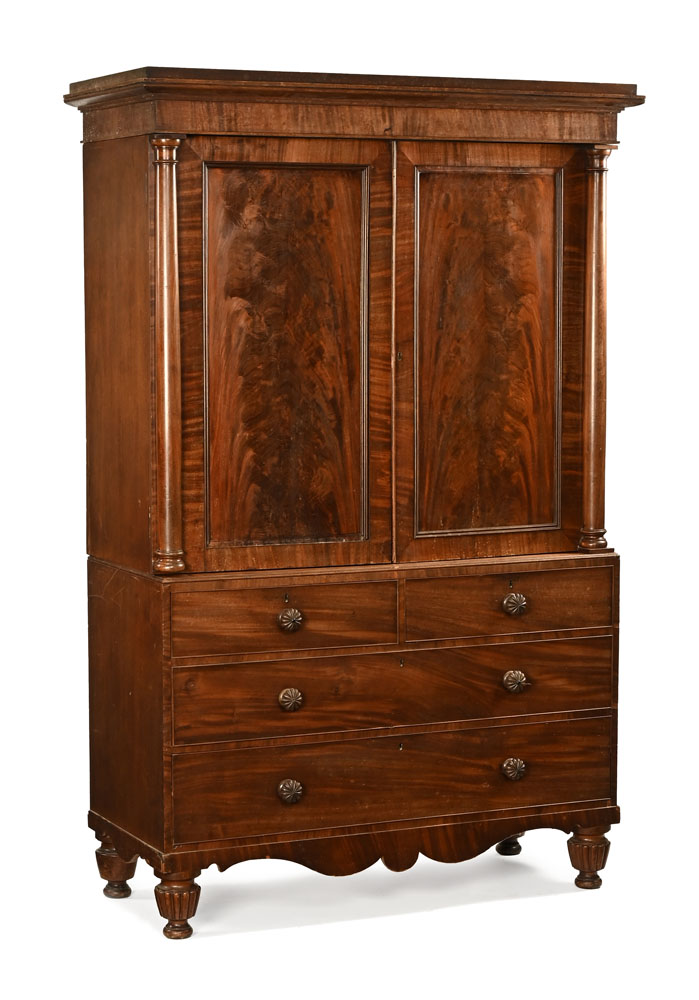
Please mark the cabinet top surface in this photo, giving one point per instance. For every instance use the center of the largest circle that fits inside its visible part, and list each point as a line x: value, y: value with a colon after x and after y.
x: 157, y: 81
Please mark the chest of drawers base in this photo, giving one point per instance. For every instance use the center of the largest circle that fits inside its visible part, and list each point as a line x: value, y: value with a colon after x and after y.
x: 436, y: 710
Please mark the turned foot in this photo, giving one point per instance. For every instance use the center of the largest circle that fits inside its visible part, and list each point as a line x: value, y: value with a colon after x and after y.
x: 177, y: 896
x: 510, y: 846
x: 588, y: 849
x: 115, y: 870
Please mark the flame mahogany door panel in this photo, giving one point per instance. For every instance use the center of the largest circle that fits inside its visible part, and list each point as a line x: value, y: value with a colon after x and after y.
x: 286, y: 342
x: 489, y: 314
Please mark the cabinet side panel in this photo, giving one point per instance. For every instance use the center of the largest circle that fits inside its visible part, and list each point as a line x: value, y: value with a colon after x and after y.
x: 126, y: 702
x: 118, y: 352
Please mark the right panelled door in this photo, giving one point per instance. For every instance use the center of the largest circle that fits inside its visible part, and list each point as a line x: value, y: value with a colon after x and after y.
x: 489, y: 305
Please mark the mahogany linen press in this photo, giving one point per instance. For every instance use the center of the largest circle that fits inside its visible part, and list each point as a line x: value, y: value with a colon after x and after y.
x: 350, y: 595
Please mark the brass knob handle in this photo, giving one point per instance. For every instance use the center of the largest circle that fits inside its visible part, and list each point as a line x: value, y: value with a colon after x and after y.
x: 290, y: 699
x: 514, y: 604
x: 290, y: 790
x: 515, y: 681
x: 513, y: 768
x: 290, y: 620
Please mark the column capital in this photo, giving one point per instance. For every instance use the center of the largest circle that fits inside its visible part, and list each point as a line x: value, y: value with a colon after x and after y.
x: 598, y: 155
x: 165, y: 147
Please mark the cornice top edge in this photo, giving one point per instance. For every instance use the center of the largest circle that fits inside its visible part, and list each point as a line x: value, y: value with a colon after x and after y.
x: 152, y: 83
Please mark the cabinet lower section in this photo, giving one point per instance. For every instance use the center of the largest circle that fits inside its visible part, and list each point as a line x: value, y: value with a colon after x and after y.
x: 438, y: 709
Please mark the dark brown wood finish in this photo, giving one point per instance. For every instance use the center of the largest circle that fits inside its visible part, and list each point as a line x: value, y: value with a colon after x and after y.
x: 440, y: 839
x: 510, y: 847
x: 168, y: 467
x: 126, y: 700
x: 241, y: 702
x: 286, y: 296
x: 115, y: 870
x: 117, y: 349
x: 157, y: 99
x: 595, y: 341
x: 177, y: 896
x: 234, y: 794
x: 439, y: 609
x: 293, y: 398
x: 433, y: 91
x: 487, y: 287
x: 490, y: 241
x: 211, y: 622
x: 346, y: 395
x: 589, y: 850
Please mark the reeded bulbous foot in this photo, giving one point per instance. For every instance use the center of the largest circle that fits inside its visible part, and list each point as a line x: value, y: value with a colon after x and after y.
x: 510, y: 846
x: 589, y: 849
x: 115, y: 870
x: 177, y: 896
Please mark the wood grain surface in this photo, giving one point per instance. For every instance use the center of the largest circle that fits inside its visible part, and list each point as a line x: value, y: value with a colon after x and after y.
x: 436, y: 609
x: 166, y: 362
x: 234, y: 793
x: 487, y: 349
x: 126, y: 700
x: 117, y: 351
x: 162, y: 99
x: 391, y: 365
x: 443, y: 840
x: 489, y: 312
x: 225, y: 84
x: 214, y: 622
x: 294, y: 394
x: 287, y: 336
x: 595, y: 352
x: 219, y: 703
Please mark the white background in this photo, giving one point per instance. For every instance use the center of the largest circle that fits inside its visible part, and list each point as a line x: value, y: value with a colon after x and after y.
x: 495, y: 927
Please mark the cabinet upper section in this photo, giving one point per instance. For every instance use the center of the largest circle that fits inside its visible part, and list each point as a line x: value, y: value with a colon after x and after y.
x: 315, y: 339
x: 236, y: 102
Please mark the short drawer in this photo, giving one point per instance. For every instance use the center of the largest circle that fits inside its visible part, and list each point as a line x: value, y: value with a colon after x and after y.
x: 213, y: 622
x: 507, y: 603
x: 240, y: 793
x: 340, y: 693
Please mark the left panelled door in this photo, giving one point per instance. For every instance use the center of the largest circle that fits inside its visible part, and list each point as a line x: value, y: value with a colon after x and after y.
x: 285, y: 294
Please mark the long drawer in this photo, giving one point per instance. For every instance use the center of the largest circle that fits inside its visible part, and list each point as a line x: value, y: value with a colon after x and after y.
x: 339, y: 693
x: 453, y: 607
x: 214, y: 622
x: 240, y: 793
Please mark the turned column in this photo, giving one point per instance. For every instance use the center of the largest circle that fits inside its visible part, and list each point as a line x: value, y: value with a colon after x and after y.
x: 595, y: 352
x: 169, y: 555
x: 588, y: 849
x: 177, y: 896
x: 115, y: 870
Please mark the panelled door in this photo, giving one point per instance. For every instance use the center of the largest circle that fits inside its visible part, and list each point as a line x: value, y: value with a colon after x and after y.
x: 285, y: 250
x: 489, y: 315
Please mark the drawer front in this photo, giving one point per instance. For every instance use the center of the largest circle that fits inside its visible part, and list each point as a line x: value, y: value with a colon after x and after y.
x: 331, y: 694
x: 236, y: 793
x: 492, y: 605
x: 208, y: 623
